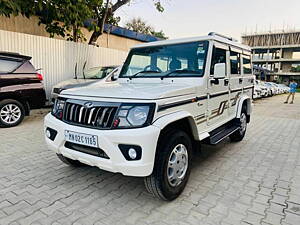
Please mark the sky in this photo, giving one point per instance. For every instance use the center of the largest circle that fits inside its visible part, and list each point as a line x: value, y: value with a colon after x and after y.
x: 187, y: 18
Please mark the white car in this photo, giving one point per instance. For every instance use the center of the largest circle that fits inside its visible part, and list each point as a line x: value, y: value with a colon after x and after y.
x: 260, y: 89
x: 91, y: 76
x: 285, y: 89
x: 257, y: 92
x: 147, y: 124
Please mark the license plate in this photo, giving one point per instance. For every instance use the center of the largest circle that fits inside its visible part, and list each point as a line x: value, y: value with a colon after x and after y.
x: 82, y: 139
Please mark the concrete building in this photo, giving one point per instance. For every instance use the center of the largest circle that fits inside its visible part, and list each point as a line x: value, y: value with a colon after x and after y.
x: 278, y: 53
x: 114, y: 37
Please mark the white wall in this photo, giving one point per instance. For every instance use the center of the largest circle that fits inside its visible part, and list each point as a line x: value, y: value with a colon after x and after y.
x: 58, y: 58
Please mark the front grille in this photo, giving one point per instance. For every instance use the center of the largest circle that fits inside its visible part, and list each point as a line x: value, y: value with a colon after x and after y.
x: 98, y: 116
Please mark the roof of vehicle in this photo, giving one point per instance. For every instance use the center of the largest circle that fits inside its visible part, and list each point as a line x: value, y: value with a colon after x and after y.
x: 210, y: 36
x: 14, y: 55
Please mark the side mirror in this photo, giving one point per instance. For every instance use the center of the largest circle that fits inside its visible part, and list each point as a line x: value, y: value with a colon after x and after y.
x: 114, y: 77
x: 219, y: 70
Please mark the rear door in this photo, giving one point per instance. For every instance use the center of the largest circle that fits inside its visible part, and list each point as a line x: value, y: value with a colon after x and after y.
x: 236, y: 79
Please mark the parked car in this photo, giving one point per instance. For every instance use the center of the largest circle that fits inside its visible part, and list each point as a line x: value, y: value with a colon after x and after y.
x: 276, y: 88
x: 148, y: 123
x: 260, y: 86
x: 257, y: 92
x: 91, y: 76
x: 21, y: 88
x: 272, y: 88
x: 285, y: 89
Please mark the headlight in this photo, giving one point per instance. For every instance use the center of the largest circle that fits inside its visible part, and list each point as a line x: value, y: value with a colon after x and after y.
x: 134, y: 115
x: 57, y: 90
x: 58, y: 108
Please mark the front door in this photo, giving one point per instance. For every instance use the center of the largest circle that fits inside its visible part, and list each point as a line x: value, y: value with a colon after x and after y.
x: 218, y: 94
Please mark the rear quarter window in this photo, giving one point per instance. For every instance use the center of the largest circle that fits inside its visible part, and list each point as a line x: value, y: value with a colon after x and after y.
x: 7, y: 66
x: 27, y: 67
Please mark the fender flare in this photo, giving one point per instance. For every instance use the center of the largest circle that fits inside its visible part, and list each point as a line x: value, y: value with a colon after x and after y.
x: 167, y: 119
x: 240, y: 104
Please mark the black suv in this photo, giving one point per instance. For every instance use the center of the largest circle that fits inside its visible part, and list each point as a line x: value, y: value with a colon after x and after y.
x: 21, y: 88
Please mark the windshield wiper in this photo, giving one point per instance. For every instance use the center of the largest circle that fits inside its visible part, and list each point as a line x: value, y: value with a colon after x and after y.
x: 143, y: 71
x: 179, y: 71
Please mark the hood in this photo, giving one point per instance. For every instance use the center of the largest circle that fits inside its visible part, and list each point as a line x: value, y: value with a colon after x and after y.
x: 145, y: 91
x: 71, y: 83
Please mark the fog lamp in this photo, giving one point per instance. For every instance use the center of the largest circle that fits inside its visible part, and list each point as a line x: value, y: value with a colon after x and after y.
x: 132, y: 153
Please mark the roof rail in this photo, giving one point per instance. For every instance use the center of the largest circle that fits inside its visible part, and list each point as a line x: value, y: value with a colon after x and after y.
x: 222, y: 36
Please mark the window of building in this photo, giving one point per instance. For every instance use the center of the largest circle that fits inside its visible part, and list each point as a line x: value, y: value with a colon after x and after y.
x: 219, y: 56
x: 235, y: 63
x: 296, y: 54
x: 247, y: 64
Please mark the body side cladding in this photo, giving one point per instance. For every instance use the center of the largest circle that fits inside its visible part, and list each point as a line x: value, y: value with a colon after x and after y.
x: 240, y: 105
x: 168, y: 119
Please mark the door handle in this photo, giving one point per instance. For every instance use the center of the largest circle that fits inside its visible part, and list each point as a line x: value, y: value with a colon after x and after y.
x: 226, y: 82
x: 241, y: 80
x: 214, y: 81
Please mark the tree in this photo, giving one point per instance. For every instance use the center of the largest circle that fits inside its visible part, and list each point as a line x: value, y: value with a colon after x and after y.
x: 138, y: 25
x: 66, y: 17
x: 105, y: 14
x: 141, y: 26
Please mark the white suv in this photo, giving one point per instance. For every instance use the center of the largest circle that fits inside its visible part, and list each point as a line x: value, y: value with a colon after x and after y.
x: 170, y: 95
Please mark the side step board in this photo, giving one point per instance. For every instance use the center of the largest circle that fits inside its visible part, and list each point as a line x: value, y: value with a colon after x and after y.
x: 221, y: 134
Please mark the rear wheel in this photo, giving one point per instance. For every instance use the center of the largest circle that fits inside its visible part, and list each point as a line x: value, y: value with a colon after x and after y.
x: 172, y: 166
x: 242, y: 122
x: 68, y: 161
x: 12, y: 113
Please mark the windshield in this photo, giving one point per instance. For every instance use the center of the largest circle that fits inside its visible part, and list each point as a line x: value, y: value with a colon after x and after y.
x: 98, y: 72
x: 177, y: 60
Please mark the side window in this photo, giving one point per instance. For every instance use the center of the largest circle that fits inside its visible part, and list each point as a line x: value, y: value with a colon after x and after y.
x: 218, y: 56
x: 7, y: 66
x: 235, y: 62
x: 247, y: 64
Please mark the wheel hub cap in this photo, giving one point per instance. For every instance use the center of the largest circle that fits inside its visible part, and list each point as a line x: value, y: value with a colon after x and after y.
x: 177, y: 165
x: 243, y: 121
x: 10, y: 113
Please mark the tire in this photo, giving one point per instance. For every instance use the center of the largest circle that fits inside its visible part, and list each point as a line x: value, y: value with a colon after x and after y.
x: 242, y: 122
x: 171, y: 143
x: 69, y: 162
x: 12, y: 113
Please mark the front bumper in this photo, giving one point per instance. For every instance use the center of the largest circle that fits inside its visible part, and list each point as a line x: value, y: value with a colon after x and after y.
x: 108, y: 141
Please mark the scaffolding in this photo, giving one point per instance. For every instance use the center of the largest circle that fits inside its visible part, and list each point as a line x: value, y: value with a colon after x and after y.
x: 272, y: 39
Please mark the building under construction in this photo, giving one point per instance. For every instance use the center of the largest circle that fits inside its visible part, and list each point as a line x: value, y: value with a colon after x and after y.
x: 276, y: 52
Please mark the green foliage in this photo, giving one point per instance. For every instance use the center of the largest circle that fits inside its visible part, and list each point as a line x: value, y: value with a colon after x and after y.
x: 16, y: 7
x: 295, y: 69
x: 159, y: 34
x: 66, y: 17
x: 141, y: 26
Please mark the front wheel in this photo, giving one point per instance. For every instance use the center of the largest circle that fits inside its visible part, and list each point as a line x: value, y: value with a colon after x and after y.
x: 240, y: 133
x: 172, y: 166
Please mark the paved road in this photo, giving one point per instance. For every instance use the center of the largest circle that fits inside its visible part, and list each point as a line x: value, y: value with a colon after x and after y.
x: 256, y: 181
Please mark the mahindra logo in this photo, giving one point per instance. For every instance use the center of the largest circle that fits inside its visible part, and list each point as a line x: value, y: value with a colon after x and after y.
x: 88, y: 105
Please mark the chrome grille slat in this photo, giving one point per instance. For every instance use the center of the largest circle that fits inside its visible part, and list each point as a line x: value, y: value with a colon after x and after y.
x: 108, y: 117
x: 91, y: 114
x: 97, y: 116
x: 80, y: 114
x: 71, y: 112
